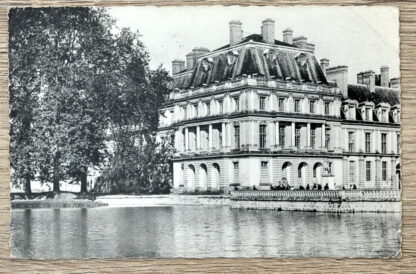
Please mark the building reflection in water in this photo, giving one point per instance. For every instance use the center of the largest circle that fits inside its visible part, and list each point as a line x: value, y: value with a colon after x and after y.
x: 200, y: 231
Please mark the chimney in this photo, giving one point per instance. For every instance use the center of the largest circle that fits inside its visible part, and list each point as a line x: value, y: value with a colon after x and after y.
x: 300, y: 42
x: 236, y: 32
x: 310, y: 47
x: 267, y: 30
x: 324, y: 65
x: 339, y: 75
x: 177, y: 66
x: 193, y: 56
x: 384, y: 76
x: 360, y: 78
x: 395, y: 83
x: 288, y: 36
x: 189, y: 61
x: 369, y: 79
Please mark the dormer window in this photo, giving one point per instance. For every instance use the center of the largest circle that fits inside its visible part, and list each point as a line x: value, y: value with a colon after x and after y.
x: 301, y: 61
x: 396, y: 113
x: 384, y: 115
x: 231, y: 57
x: 368, y: 114
x: 351, y: 113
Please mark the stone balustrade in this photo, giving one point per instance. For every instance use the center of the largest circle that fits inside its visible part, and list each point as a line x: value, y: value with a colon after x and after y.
x: 317, y: 195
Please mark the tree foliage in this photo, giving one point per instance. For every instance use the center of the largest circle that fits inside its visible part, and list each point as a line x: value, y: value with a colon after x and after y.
x: 82, y: 98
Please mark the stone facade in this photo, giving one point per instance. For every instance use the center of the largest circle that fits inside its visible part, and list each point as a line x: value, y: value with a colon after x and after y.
x: 254, y: 112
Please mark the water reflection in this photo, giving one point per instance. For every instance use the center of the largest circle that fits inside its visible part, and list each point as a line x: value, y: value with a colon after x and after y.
x: 200, y: 231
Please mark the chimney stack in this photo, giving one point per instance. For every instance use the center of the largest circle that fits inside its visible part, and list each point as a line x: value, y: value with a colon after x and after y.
x: 395, y: 83
x: 339, y: 75
x: 369, y: 79
x: 267, y: 30
x: 177, y: 66
x: 193, y: 56
x: 324, y: 65
x: 384, y: 76
x: 300, y: 42
x: 288, y: 36
x: 236, y: 32
x: 310, y: 47
x: 189, y: 61
x: 360, y: 78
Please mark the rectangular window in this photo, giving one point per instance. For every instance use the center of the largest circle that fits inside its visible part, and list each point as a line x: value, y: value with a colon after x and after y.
x: 195, y: 110
x: 351, y: 113
x: 236, y: 172
x: 208, y: 108
x: 262, y: 136
x: 368, y: 114
x: 383, y: 115
x: 297, y: 137
x: 237, y: 136
x: 220, y: 106
x: 281, y: 104
x: 328, y: 140
x: 313, y: 137
x: 282, y: 136
x: 368, y: 171
x: 398, y: 144
x: 297, y: 105
x: 262, y: 103
x: 312, y: 106
x: 384, y: 171
x: 352, y: 171
x: 351, y: 142
x: 237, y: 104
x: 264, y: 172
x: 384, y: 143
x: 367, y: 142
x: 327, y: 108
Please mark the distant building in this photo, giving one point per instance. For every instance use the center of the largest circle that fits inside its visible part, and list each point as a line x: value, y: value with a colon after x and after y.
x: 258, y: 111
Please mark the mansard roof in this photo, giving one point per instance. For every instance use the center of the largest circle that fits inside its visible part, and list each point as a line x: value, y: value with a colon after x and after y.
x: 258, y: 38
x: 362, y: 93
x: 265, y: 61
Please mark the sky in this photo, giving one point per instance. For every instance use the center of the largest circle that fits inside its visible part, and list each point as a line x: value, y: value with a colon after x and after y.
x: 362, y: 38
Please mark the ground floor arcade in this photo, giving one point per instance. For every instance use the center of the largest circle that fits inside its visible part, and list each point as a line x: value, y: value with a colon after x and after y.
x: 215, y: 174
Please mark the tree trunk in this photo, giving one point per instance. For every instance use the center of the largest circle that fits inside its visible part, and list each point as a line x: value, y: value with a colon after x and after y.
x: 84, y: 173
x: 27, y: 186
x: 55, y: 178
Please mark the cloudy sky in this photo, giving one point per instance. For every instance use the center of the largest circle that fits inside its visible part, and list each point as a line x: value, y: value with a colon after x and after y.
x: 363, y: 38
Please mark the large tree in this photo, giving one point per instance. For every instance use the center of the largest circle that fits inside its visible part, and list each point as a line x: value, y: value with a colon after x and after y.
x: 80, y: 87
x: 134, y: 116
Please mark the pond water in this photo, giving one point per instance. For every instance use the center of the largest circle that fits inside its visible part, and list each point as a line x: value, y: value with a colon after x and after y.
x: 200, y: 231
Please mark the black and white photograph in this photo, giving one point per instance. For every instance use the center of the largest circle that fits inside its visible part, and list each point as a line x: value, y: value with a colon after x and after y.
x: 205, y: 132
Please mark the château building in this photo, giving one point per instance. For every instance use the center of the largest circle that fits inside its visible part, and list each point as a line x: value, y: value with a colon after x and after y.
x: 259, y: 110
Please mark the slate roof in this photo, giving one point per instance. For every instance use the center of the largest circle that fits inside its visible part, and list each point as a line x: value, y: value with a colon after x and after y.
x: 362, y: 93
x: 249, y: 61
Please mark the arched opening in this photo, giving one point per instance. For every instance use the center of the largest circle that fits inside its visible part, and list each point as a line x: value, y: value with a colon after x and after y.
x: 398, y: 176
x: 317, y: 173
x: 302, y: 173
x: 190, y: 182
x: 203, y: 174
x: 216, y: 176
x: 286, y: 170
